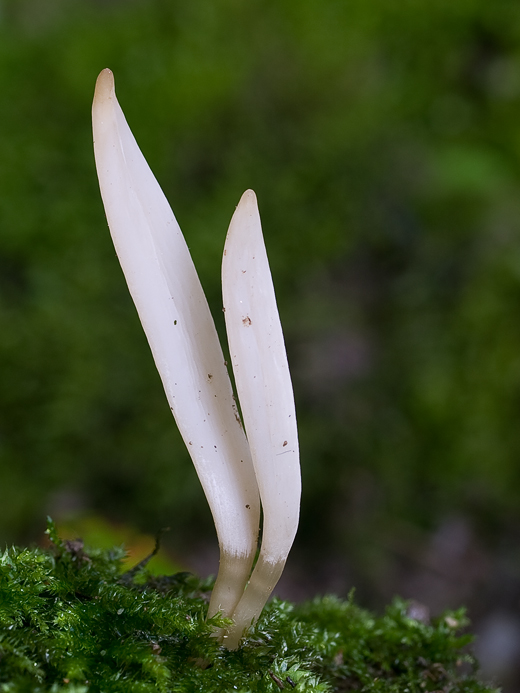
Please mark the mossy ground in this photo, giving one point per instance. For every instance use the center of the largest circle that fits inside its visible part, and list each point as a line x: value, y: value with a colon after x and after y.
x: 72, y: 620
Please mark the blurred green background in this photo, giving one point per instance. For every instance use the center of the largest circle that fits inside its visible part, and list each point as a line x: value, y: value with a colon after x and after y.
x: 383, y: 141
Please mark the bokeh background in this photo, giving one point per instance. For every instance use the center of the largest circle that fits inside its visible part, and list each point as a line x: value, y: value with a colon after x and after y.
x: 383, y: 141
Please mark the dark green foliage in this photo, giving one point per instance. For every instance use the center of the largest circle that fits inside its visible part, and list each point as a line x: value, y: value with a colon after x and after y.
x: 70, y: 620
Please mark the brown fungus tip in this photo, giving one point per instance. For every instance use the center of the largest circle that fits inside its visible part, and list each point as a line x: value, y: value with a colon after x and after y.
x: 104, y: 85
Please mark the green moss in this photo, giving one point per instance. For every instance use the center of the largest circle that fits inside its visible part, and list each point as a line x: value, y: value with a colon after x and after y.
x: 71, y: 620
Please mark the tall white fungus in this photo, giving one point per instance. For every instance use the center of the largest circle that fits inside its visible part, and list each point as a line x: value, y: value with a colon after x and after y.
x: 175, y: 316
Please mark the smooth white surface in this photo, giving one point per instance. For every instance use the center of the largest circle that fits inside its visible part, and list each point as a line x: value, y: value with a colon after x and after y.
x: 265, y: 392
x: 262, y: 377
x: 175, y: 316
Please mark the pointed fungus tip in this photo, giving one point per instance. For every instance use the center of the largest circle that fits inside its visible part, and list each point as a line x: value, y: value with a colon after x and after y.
x: 104, y: 84
x: 248, y: 204
x: 249, y: 197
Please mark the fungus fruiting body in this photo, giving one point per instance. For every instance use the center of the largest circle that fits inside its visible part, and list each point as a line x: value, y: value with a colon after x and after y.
x: 264, y: 388
x: 235, y: 471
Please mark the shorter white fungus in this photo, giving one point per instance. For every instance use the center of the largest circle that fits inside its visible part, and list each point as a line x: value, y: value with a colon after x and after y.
x: 177, y: 322
x: 265, y: 393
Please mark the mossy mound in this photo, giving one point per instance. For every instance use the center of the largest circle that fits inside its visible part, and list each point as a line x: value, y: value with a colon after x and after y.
x: 71, y: 620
